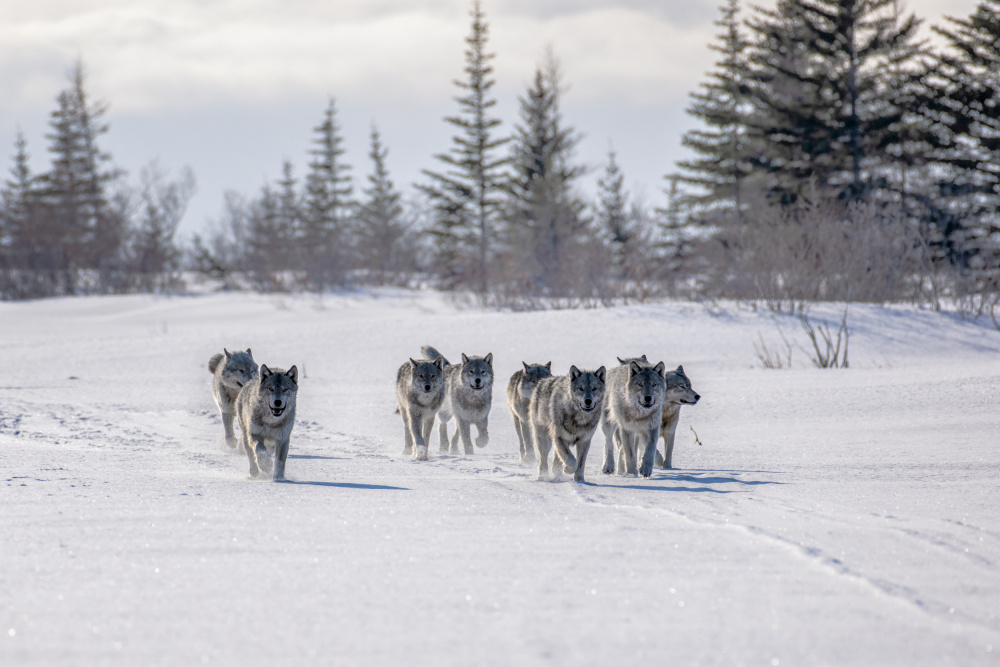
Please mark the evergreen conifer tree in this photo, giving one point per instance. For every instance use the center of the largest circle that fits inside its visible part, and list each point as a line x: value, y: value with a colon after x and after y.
x: 466, y: 195
x: 612, y: 210
x: 721, y: 163
x: 381, y: 227
x: 545, y: 218
x: 824, y: 121
x: 328, y: 204
x: 16, y: 209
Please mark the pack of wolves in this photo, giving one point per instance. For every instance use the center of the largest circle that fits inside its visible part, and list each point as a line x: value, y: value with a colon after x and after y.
x: 636, y: 403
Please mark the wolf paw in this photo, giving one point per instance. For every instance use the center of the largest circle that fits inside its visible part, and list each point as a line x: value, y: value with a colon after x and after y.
x: 421, y: 454
x: 645, y: 471
x: 482, y: 440
x: 232, y: 442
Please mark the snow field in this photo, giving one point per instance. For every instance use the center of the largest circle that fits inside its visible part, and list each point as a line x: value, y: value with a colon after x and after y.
x: 831, y: 517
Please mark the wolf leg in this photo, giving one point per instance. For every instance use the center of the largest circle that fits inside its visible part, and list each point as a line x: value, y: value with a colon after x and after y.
x: 609, y: 449
x: 419, y: 443
x: 407, y: 431
x: 251, y: 445
x: 428, y: 427
x: 564, y: 455
x: 483, y: 432
x: 582, y: 449
x: 628, y: 446
x: 651, y: 439
x: 668, y: 446
x: 443, y: 432
x: 658, y: 457
x: 519, y: 429
x: 280, y: 454
x: 465, y: 429
x: 542, y: 447
x: 227, y: 425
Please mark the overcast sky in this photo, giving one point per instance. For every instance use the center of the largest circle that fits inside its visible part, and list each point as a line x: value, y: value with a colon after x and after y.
x: 234, y: 87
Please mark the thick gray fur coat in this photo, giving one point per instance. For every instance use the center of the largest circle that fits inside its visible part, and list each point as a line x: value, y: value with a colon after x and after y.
x: 564, y: 411
x: 632, y: 414
x: 679, y: 392
x: 419, y: 394
x: 519, y: 389
x: 468, y: 398
x: 266, y: 411
x: 230, y: 372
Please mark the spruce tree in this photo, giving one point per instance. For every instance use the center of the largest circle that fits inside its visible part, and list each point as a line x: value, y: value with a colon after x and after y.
x: 17, y: 209
x: 612, y: 210
x: 85, y: 232
x: 381, y: 227
x: 721, y: 163
x: 466, y: 194
x: 964, y: 109
x: 328, y: 204
x: 823, y: 119
x: 545, y: 218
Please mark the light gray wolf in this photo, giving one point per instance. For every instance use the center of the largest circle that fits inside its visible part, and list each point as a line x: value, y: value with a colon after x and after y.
x: 564, y: 411
x: 679, y: 392
x: 519, y: 389
x: 468, y: 398
x: 419, y: 394
x: 231, y: 371
x: 632, y: 414
x: 266, y: 411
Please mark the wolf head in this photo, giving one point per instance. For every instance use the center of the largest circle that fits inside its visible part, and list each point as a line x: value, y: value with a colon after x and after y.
x: 679, y: 389
x: 646, y: 386
x: 532, y: 374
x: 239, y: 368
x: 427, y: 376
x: 587, y: 387
x: 477, y: 372
x: 278, y: 388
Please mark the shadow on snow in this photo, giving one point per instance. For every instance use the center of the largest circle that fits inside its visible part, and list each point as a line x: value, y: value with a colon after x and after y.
x: 345, y: 485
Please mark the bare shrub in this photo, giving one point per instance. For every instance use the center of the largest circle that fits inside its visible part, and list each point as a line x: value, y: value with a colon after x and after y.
x: 827, y: 352
x: 770, y: 357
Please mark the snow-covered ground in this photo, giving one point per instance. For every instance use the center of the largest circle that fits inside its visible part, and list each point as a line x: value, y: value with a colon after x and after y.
x: 831, y: 517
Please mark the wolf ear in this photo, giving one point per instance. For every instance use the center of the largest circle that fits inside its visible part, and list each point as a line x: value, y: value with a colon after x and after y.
x: 439, y: 362
x: 265, y: 373
x: 680, y: 369
x: 414, y: 362
x: 549, y: 366
x: 249, y: 352
x: 293, y: 373
x: 620, y: 360
x: 660, y: 368
x: 643, y: 357
x: 574, y: 372
x: 465, y: 359
x: 229, y: 355
x: 634, y: 369
x: 489, y: 359
x: 601, y: 373
x: 525, y: 364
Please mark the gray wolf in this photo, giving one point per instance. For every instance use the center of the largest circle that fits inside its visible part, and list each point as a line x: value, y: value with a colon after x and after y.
x: 519, y: 389
x: 564, y: 411
x: 632, y: 414
x: 231, y: 371
x: 679, y: 392
x: 468, y: 398
x: 419, y: 394
x: 266, y: 411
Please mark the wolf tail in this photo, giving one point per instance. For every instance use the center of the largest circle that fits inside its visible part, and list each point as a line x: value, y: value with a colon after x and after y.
x: 432, y: 354
x: 214, y: 362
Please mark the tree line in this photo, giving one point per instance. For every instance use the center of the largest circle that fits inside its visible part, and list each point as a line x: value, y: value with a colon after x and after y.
x: 836, y: 155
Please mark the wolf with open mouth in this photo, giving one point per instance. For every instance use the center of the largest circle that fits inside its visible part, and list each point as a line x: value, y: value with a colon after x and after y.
x: 266, y: 410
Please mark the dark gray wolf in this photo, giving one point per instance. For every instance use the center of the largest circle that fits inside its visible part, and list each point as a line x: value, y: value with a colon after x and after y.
x: 632, y: 414
x: 564, y: 411
x: 519, y: 389
x: 229, y: 377
x: 468, y: 398
x: 419, y: 394
x: 266, y: 412
x: 679, y: 392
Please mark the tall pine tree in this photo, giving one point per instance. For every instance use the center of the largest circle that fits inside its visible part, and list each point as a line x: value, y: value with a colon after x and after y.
x: 466, y: 196
x: 545, y: 219
x: 381, y: 227
x: 720, y: 165
x: 328, y: 205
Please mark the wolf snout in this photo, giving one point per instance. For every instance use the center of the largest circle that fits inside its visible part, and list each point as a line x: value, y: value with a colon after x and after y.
x: 277, y: 402
x: 647, y: 401
x: 427, y: 387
